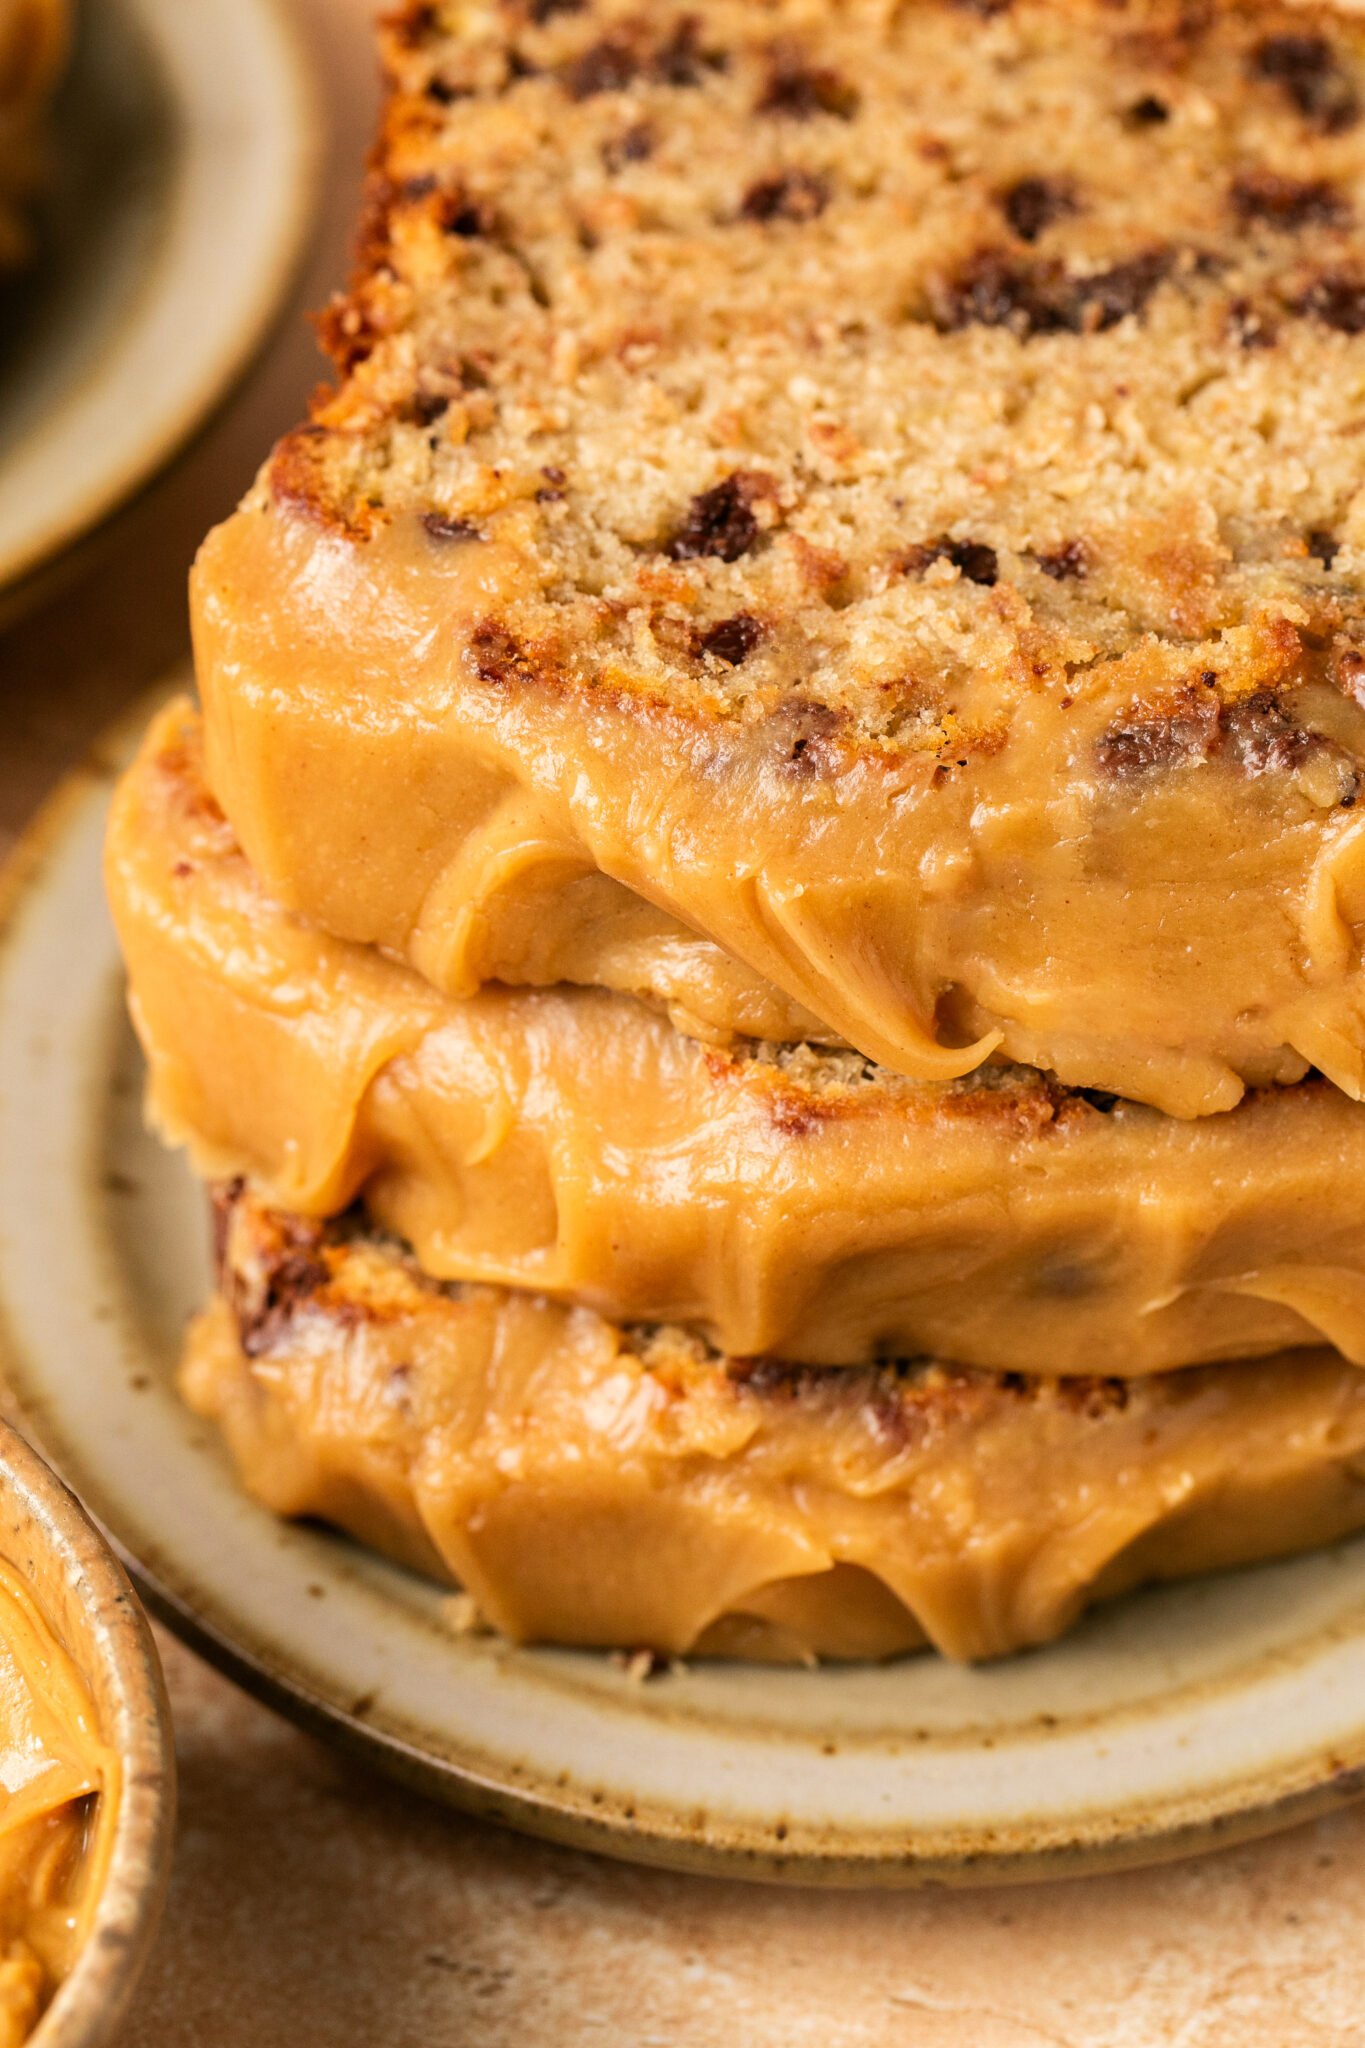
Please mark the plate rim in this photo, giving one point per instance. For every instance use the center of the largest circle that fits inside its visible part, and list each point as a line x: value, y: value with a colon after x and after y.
x: 28, y: 568
x: 1296, y: 1791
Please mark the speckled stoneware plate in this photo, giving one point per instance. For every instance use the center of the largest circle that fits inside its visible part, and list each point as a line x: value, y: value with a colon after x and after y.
x: 183, y: 152
x: 1179, y: 1718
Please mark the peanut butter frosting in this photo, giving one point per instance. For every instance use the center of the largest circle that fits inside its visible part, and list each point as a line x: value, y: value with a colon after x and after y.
x: 58, y: 1789
x: 786, y: 1200
x: 590, y: 1484
x: 816, y: 525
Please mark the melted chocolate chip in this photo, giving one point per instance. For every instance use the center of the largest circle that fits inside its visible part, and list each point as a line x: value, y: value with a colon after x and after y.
x: 993, y: 290
x: 682, y: 60
x: 1149, y: 111
x: 1323, y: 546
x: 801, y: 91
x: 971, y: 558
x: 609, y: 66
x: 1287, y: 203
x: 498, y: 655
x: 1261, y: 736
x: 466, y: 217
x: 791, y: 195
x: 290, y: 1283
x: 634, y: 146
x: 1066, y: 562
x: 1249, y: 326
x: 1257, y: 734
x: 542, y: 11
x: 441, y: 528
x: 974, y: 560
x: 1140, y: 743
x: 718, y: 522
x: 731, y: 640
x: 1034, y: 204
x: 1309, y: 71
x: 1338, y: 301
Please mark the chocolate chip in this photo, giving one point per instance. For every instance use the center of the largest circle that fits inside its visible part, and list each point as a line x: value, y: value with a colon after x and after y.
x: 731, y: 640
x: 790, y: 195
x: 1348, y: 673
x: 1142, y: 742
x: 542, y: 11
x: 609, y: 66
x: 1257, y: 734
x: 1249, y: 326
x: 1261, y: 736
x: 1033, y: 204
x: 1287, y: 203
x: 444, y: 93
x: 426, y: 408
x: 800, y: 90
x: 466, y: 217
x: 289, y: 1284
x: 441, y: 528
x: 1149, y: 111
x: 499, y: 656
x: 719, y: 522
x: 1066, y: 562
x: 1309, y: 71
x: 1338, y: 301
x: 993, y: 290
x: 634, y: 146
x: 971, y: 558
x: 1323, y: 546
x: 974, y: 560
x: 682, y: 60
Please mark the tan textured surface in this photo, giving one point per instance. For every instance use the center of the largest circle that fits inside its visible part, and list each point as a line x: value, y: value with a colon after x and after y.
x: 316, y: 1907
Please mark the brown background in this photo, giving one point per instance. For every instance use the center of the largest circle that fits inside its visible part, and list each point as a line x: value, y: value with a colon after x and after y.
x: 316, y: 1907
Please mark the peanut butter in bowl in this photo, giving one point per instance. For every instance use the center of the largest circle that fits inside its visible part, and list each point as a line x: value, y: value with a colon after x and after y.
x: 59, y: 1785
x: 87, y: 1776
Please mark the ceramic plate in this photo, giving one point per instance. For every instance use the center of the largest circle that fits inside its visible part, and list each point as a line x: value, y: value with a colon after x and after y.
x: 1183, y: 1716
x: 183, y: 149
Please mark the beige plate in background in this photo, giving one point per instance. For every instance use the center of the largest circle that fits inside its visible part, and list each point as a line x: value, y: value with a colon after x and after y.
x: 183, y: 152
x: 1178, y: 1718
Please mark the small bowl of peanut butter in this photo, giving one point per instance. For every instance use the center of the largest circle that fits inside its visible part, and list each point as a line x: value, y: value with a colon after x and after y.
x: 87, y: 1775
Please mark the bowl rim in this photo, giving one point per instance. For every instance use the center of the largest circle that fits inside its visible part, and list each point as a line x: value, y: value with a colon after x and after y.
x: 95, y: 1994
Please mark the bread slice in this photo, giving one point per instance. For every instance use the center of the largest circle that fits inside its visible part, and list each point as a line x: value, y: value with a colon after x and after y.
x: 882, y: 484
x: 588, y: 1483
x: 778, y: 1199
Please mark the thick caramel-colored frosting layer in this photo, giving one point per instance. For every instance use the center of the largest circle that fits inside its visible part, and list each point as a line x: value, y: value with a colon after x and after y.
x: 1171, y: 933
x: 589, y: 1484
x: 58, y: 1788
x: 572, y: 1142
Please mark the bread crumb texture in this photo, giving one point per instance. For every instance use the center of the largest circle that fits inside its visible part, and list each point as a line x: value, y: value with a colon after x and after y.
x: 882, y: 357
